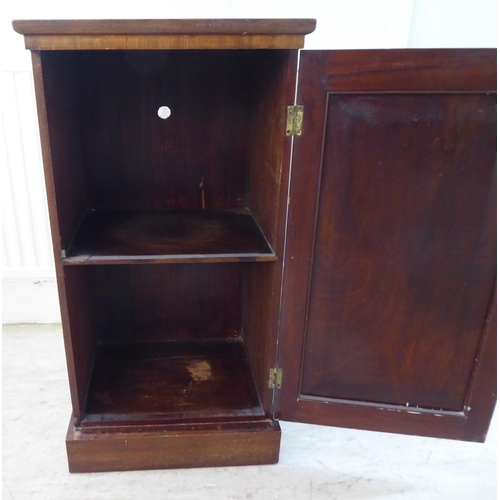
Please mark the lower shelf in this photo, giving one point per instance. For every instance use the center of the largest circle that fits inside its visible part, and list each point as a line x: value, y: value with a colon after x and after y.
x: 202, y: 445
x: 171, y: 381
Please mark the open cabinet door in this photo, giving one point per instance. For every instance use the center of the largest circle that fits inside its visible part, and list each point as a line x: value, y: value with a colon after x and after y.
x: 388, y: 305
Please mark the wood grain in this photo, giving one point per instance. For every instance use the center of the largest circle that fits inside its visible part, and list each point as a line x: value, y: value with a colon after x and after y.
x: 129, y: 159
x: 162, y: 42
x: 410, y: 217
x: 411, y: 70
x: 135, y: 160
x: 164, y: 34
x: 165, y: 302
x: 168, y: 236
x: 58, y: 102
x: 168, y: 381
x: 65, y: 206
x: 199, y: 446
x: 166, y: 344
x: 147, y: 163
x: 267, y: 193
x: 392, y: 283
x: 165, y: 26
x: 80, y: 333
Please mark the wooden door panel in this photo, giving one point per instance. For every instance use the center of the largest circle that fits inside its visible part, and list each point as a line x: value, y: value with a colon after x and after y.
x: 388, y: 285
x: 398, y: 291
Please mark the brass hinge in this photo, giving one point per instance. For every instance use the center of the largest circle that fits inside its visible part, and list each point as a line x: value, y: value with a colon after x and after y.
x: 294, y: 118
x: 275, y: 378
x: 63, y: 254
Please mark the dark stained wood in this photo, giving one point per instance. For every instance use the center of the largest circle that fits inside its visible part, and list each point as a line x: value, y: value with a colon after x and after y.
x: 482, y: 396
x: 388, y: 293
x: 149, y: 331
x: 203, y: 156
x: 80, y: 333
x: 167, y: 236
x: 409, y: 217
x: 56, y: 100
x: 202, y: 446
x: 166, y: 26
x: 260, y: 317
x: 268, y: 146
x: 165, y: 381
x: 148, y: 163
x: 268, y: 172
x: 166, y: 302
x: 387, y: 308
x: 136, y: 160
x: 66, y: 202
x: 411, y: 70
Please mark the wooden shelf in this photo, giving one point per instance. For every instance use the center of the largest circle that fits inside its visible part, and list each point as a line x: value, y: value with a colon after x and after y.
x: 163, y: 236
x: 171, y: 381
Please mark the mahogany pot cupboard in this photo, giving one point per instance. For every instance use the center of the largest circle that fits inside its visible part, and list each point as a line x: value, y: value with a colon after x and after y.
x: 236, y: 244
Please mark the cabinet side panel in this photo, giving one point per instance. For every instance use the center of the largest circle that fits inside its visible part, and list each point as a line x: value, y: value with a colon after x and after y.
x: 80, y: 334
x: 268, y: 170
x: 272, y: 84
x: 63, y: 113
x: 66, y: 203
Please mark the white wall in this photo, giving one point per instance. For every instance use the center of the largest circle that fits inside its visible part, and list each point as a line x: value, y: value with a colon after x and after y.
x: 453, y: 23
x: 28, y: 281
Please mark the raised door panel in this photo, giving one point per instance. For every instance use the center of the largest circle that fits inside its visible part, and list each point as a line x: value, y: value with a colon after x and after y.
x: 390, y: 261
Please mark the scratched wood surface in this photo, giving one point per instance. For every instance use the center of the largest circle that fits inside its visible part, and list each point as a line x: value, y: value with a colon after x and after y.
x: 168, y: 236
x: 157, y: 447
x: 168, y: 381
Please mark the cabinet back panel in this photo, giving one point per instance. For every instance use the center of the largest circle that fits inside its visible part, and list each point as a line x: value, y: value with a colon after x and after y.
x: 167, y: 302
x: 404, y: 253
x: 136, y: 160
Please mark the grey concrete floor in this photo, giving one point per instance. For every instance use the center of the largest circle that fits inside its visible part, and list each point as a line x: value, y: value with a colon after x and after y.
x: 315, y: 463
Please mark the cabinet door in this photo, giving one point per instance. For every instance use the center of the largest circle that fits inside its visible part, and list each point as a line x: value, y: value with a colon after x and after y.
x: 388, y: 298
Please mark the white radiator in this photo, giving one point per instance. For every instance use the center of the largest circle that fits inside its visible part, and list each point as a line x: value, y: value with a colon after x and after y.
x: 28, y: 277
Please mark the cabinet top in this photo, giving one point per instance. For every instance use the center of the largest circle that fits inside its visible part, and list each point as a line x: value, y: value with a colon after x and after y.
x: 165, y: 34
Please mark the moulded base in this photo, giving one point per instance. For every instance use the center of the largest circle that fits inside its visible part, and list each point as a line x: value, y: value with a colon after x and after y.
x: 169, y: 447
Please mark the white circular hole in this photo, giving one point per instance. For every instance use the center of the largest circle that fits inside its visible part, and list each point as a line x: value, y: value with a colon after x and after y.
x: 164, y: 112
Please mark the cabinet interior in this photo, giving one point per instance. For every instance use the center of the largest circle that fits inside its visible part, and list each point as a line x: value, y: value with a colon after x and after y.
x: 169, y: 227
